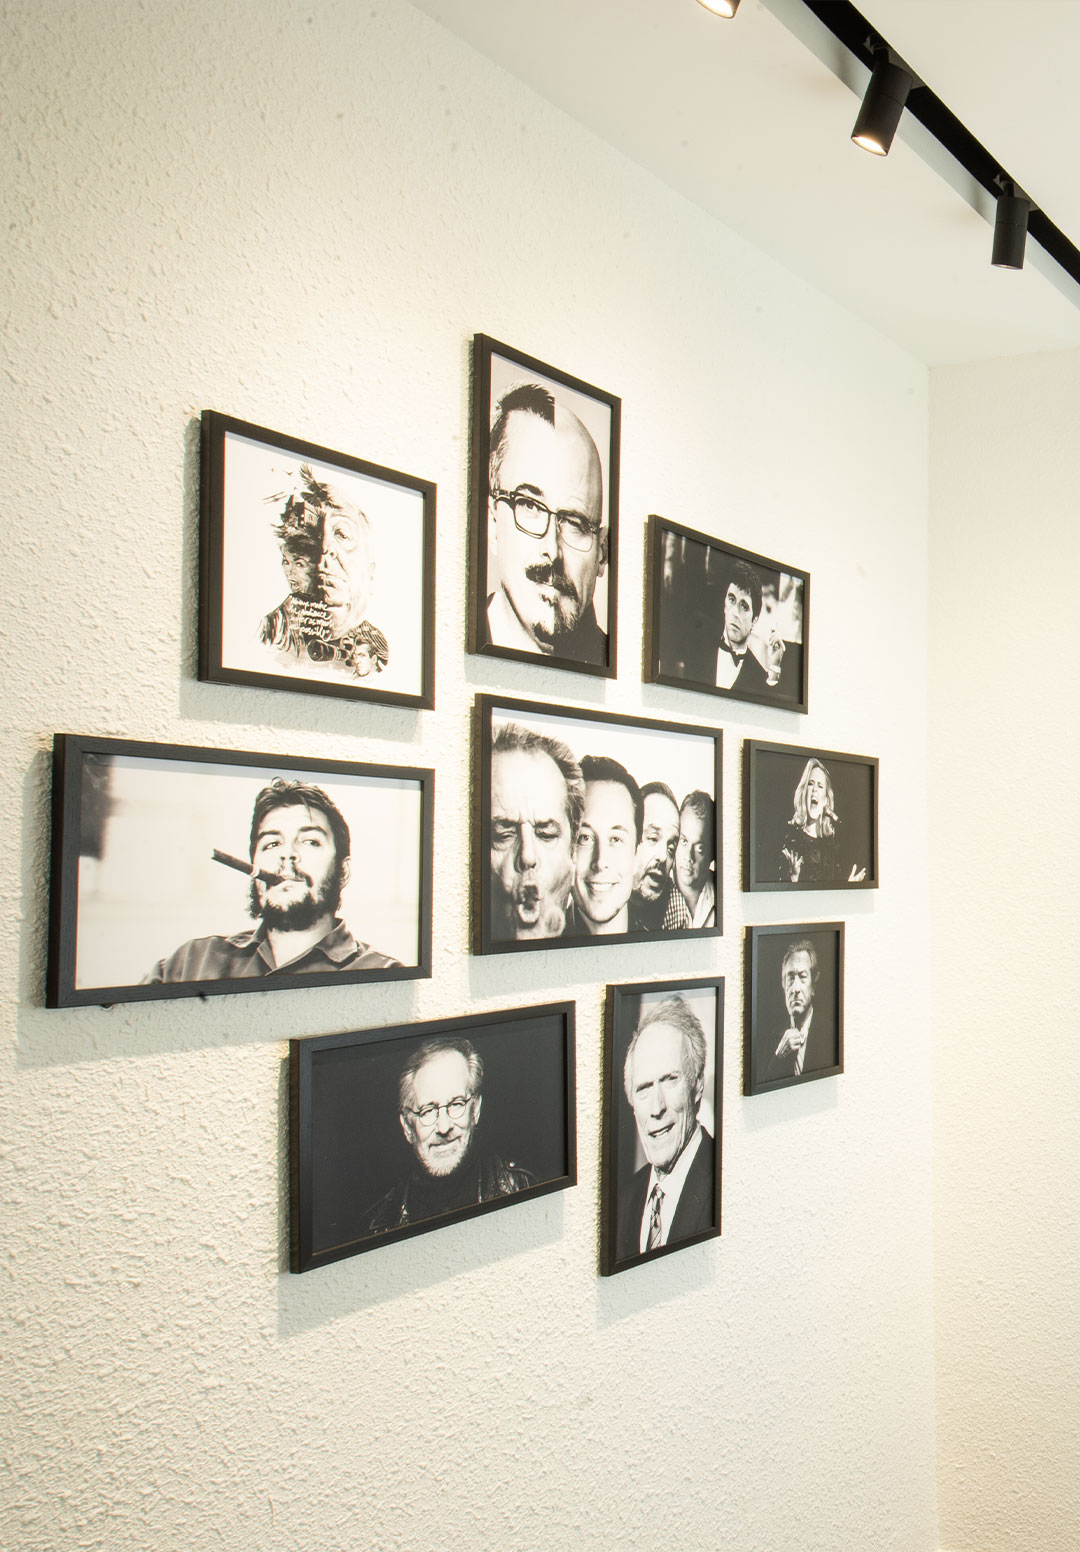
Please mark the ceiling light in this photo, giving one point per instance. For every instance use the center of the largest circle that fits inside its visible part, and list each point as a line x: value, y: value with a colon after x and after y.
x: 1010, y: 231
x: 882, y: 106
x: 720, y: 7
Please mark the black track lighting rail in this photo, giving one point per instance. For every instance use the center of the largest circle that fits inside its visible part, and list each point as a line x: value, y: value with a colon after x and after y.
x: 851, y: 28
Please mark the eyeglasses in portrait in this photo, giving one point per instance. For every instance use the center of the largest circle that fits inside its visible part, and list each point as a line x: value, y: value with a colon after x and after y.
x: 317, y: 569
x: 545, y: 511
x: 794, y: 1006
x: 394, y: 1132
x: 594, y: 828
x: 810, y: 818
x: 663, y: 1108
x: 724, y: 620
x: 187, y: 872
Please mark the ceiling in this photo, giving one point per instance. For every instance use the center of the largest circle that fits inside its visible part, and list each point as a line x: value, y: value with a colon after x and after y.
x: 752, y: 122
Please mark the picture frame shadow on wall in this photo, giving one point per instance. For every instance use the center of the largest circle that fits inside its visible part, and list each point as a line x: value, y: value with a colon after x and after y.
x: 189, y: 872
x: 592, y: 827
x: 394, y: 1132
x: 810, y: 818
x: 316, y: 569
x: 794, y: 1005
x: 544, y: 550
x: 663, y: 1120
x: 723, y: 620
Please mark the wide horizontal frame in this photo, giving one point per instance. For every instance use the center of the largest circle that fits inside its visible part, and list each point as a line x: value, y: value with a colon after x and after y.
x: 656, y: 529
x: 754, y: 751
x: 751, y: 1001
x: 610, y: 1262
x: 483, y: 349
x: 484, y: 710
x: 215, y: 428
x: 69, y: 752
x: 303, y: 1257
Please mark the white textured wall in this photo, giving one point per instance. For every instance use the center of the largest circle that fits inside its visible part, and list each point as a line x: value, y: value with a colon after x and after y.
x: 299, y: 215
x: 1005, y: 650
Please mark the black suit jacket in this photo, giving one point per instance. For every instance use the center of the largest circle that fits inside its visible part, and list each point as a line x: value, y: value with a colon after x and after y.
x: 695, y: 1213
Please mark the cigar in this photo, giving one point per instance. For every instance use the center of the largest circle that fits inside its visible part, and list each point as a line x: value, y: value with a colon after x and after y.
x: 245, y: 867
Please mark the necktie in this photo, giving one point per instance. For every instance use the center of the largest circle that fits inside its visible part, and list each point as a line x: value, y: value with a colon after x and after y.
x: 654, y: 1221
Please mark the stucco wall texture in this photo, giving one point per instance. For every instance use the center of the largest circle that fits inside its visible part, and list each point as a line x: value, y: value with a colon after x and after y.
x: 300, y: 215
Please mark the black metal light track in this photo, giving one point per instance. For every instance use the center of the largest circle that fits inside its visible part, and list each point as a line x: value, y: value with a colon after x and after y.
x: 859, y: 36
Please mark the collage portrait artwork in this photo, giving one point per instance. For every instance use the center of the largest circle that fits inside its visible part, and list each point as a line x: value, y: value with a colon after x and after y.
x: 317, y: 569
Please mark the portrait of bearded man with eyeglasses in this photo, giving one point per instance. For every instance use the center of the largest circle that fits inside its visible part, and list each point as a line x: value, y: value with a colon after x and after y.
x: 440, y: 1093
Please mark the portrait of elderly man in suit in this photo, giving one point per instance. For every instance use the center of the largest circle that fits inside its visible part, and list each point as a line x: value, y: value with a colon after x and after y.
x: 794, y: 1054
x: 795, y: 1021
x: 672, y: 1197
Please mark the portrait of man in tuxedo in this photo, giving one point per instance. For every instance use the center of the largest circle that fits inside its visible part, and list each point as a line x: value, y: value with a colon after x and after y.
x: 672, y: 1196
x: 724, y: 620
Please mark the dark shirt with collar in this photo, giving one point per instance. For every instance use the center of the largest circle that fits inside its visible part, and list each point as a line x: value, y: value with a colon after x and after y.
x: 247, y: 954
x: 668, y: 915
x: 421, y: 1196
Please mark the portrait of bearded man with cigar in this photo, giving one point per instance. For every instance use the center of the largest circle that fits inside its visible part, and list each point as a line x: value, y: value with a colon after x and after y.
x: 326, y: 555
x: 299, y: 849
x: 548, y: 537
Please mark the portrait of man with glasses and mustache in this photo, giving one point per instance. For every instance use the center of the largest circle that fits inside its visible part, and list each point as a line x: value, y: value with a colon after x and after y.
x: 440, y: 1094
x: 548, y: 532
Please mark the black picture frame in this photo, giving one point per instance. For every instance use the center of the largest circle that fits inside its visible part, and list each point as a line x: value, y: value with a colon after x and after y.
x: 560, y: 422
x: 687, y: 576
x: 271, y: 503
x: 358, y: 1181
x: 779, y: 782
x: 627, y: 1170
x: 542, y: 877
x: 151, y: 848
x: 767, y: 1062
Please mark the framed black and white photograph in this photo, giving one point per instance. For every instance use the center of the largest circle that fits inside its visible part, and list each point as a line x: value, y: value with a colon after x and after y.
x: 810, y: 818
x: 663, y: 1132
x: 545, y: 513
x: 317, y: 569
x: 724, y: 620
x: 794, y: 1006
x: 181, y: 872
x: 593, y: 827
x: 393, y: 1132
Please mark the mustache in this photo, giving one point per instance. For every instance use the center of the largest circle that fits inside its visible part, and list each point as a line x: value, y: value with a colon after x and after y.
x: 552, y: 574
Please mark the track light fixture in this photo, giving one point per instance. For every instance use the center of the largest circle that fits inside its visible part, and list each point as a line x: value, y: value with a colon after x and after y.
x: 1010, y: 229
x: 885, y: 100
x: 720, y: 7
x: 1017, y: 214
